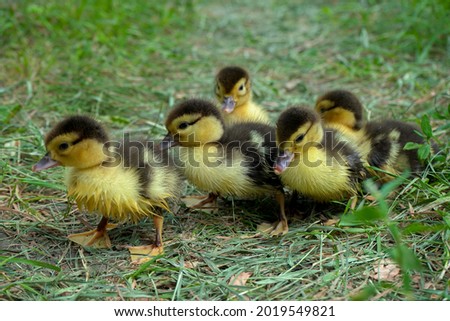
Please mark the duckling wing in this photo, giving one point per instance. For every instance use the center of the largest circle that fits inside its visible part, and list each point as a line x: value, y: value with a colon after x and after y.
x: 344, y: 153
x: 257, y: 143
x: 388, y: 138
x: 158, y: 177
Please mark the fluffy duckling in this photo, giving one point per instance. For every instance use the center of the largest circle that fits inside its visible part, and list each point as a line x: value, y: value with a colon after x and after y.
x: 227, y: 161
x: 315, y: 161
x: 379, y: 142
x: 342, y: 110
x: 387, y: 139
x: 122, y: 181
x: 233, y: 90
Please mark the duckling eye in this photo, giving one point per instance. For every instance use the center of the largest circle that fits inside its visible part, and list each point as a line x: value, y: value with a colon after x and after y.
x: 241, y: 87
x: 299, y: 138
x: 63, y: 146
x: 183, y: 125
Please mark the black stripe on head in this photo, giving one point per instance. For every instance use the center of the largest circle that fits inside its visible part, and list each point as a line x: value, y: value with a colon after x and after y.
x: 194, y: 106
x: 346, y: 100
x: 292, y: 119
x: 85, y: 126
x: 230, y: 75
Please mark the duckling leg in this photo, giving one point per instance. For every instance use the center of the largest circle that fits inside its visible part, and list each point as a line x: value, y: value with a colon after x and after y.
x: 280, y: 227
x: 212, y: 197
x: 141, y: 254
x: 292, y: 204
x: 97, y: 238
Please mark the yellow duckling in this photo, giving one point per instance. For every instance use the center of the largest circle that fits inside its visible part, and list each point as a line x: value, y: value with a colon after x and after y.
x: 234, y: 92
x: 342, y: 110
x: 315, y: 161
x: 379, y: 142
x: 121, y: 180
x: 227, y: 161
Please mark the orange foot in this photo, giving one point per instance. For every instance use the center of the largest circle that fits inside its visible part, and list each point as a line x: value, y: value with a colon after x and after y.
x: 94, y: 238
x: 142, y: 254
x: 274, y: 229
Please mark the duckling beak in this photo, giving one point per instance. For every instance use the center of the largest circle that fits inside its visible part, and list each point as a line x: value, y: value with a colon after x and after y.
x: 168, y: 141
x: 45, y: 163
x: 282, y: 162
x: 228, y: 104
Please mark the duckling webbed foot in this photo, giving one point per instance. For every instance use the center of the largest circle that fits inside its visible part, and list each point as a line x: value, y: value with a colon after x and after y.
x: 97, y: 238
x: 143, y: 253
x: 273, y: 229
x: 211, y: 199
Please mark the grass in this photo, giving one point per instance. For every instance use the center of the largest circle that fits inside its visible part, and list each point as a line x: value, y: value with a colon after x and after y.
x: 128, y: 62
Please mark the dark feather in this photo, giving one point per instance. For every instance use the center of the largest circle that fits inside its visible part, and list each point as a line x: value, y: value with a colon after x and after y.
x: 85, y: 126
x: 230, y: 75
x: 379, y: 133
x: 259, y: 154
x: 344, y: 154
x: 194, y: 106
x: 346, y: 100
x: 292, y: 119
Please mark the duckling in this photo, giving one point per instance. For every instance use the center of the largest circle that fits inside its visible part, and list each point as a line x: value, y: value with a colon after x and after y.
x: 387, y: 139
x: 121, y: 180
x: 234, y: 92
x: 314, y: 160
x: 227, y: 161
x: 379, y: 142
x: 342, y: 110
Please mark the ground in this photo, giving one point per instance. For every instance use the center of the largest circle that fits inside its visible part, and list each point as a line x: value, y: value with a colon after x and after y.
x: 128, y: 62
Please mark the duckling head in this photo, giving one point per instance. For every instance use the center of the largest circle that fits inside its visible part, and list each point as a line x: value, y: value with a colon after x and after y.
x: 298, y: 128
x: 342, y: 107
x: 193, y: 122
x: 233, y: 87
x: 76, y: 141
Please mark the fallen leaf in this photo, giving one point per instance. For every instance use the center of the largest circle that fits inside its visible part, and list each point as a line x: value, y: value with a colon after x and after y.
x: 191, y: 264
x: 354, y: 201
x: 370, y: 198
x: 291, y: 84
x: 12, y: 148
x: 180, y: 95
x: 321, y: 294
x: 331, y: 222
x: 385, y: 270
x: 411, y: 209
x: 240, y: 279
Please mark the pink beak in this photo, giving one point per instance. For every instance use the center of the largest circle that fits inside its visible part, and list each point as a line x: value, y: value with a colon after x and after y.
x: 282, y: 162
x: 45, y: 163
x: 228, y: 104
